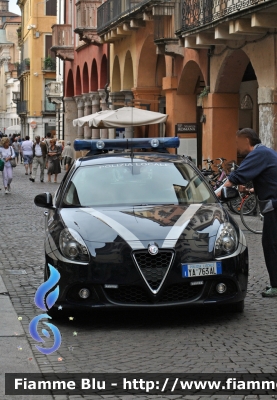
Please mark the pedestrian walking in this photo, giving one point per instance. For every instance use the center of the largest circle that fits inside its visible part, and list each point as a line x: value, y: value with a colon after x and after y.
x: 68, y: 155
x: 16, y: 147
x: 47, y: 142
x: 39, y: 157
x: 20, y: 141
x: 260, y: 167
x: 27, y: 151
x: 53, y: 155
x: 7, y: 153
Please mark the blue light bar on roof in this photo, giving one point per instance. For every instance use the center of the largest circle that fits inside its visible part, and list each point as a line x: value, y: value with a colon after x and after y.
x: 122, y: 144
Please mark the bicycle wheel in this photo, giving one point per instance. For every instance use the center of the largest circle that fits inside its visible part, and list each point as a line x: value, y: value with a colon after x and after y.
x: 234, y: 205
x: 254, y: 221
x: 251, y: 204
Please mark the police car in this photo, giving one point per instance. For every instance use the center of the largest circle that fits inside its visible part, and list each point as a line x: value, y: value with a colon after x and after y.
x: 132, y: 225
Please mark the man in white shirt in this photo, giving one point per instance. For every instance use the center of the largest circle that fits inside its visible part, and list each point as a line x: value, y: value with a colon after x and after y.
x: 39, y: 156
x: 27, y: 151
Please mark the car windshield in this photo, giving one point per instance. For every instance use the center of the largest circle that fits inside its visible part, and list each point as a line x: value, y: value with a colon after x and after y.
x: 136, y: 183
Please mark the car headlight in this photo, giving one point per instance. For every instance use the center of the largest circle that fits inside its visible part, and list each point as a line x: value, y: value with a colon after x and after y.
x: 72, y: 245
x: 226, y: 240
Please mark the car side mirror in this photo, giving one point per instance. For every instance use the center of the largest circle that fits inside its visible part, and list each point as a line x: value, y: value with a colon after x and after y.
x: 44, y: 200
x: 228, y: 194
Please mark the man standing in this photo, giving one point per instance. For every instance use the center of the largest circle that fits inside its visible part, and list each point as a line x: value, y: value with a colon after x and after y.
x: 68, y: 154
x: 39, y: 154
x: 27, y: 151
x: 260, y: 166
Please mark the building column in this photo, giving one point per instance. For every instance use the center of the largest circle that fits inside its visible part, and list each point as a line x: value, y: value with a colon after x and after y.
x: 70, y: 113
x: 267, y: 101
x: 104, y: 134
x: 128, y: 100
x: 221, y: 111
x: 180, y: 108
x: 95, y: 107
x: 87, y: 111
x: 150, y: 96
x: 80, y: 107
x: 115, y: 97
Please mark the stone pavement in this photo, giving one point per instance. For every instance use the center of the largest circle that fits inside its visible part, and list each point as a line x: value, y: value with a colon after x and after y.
x: 179, y: 340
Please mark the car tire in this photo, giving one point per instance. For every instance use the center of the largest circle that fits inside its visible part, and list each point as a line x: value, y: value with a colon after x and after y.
x: 236, y: 307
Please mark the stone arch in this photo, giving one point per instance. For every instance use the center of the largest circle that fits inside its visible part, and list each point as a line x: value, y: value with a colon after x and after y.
x: 116, y: 80
x: 69, y: 84
x: 104, y: 74
x: 147, y: 63
x: 85, y: 79
x: 128, y: 75
x: 231, y: 72
x: 191, y: 79
x: 94, y: 76
x: 78, y: 82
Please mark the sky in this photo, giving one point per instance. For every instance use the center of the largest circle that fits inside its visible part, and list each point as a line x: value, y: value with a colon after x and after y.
x: 13, y: 7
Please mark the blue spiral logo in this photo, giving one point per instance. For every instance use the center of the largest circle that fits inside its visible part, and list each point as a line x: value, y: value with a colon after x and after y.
x: 45, y: 299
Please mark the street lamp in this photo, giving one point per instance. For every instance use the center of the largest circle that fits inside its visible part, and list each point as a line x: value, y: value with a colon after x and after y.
x: 47, y: 90
x: 16, y: 97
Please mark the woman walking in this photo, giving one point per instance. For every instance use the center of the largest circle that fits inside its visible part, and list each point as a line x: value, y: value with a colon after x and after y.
x: 16, y: 147
x: 54, y: 167
x: 7, y: 153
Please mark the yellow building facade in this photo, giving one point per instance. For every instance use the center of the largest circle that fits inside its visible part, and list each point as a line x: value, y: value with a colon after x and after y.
x: 37, y: 67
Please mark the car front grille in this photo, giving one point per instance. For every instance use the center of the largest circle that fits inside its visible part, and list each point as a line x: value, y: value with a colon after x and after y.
x: 128, y: 295
x: 180, y: 292
x: 137, y: 295
x: 153, y: 268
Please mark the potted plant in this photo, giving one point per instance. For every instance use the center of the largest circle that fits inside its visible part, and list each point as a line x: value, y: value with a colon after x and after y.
x: 49, y: 63
x: 27, y: 63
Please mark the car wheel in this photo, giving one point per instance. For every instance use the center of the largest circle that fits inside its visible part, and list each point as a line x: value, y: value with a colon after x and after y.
x: 236, y: 307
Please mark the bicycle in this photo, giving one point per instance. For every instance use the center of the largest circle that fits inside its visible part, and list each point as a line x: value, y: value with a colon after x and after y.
x: 253, y: 220
x: 220, y: 176
x: 236, y: 204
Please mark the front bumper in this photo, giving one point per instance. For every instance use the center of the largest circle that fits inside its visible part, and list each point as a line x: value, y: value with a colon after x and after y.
x: 130, y: 290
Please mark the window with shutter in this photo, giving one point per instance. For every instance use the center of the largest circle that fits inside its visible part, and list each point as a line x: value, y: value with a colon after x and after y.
x: 51, y: 7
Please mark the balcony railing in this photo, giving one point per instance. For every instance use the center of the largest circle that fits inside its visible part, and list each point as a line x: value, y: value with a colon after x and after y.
x: 62, y: 41
x: 62, y: 35
x: 48, y: 64
x: 22, y: 107
x: 197, y: 13
x: 112, y: 10
x: 86, y: 11
x: 23, y: 66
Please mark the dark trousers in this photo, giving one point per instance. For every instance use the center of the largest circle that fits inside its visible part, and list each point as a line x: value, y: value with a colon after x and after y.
x: 269, y: 241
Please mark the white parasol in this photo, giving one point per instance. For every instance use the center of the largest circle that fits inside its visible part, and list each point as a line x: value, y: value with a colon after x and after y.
x: 121, y: 118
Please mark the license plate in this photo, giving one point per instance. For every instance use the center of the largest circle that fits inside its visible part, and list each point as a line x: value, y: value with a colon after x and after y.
x: 202, y: 269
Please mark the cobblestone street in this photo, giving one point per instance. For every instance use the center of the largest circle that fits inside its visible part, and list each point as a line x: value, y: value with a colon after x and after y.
x: 170, y: 341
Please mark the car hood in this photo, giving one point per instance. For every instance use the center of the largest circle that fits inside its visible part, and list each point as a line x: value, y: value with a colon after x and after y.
x: 139, y: 226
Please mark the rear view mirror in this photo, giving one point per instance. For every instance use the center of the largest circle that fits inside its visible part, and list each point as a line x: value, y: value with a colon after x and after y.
x: 228, y: 194
x: 44, y: 200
